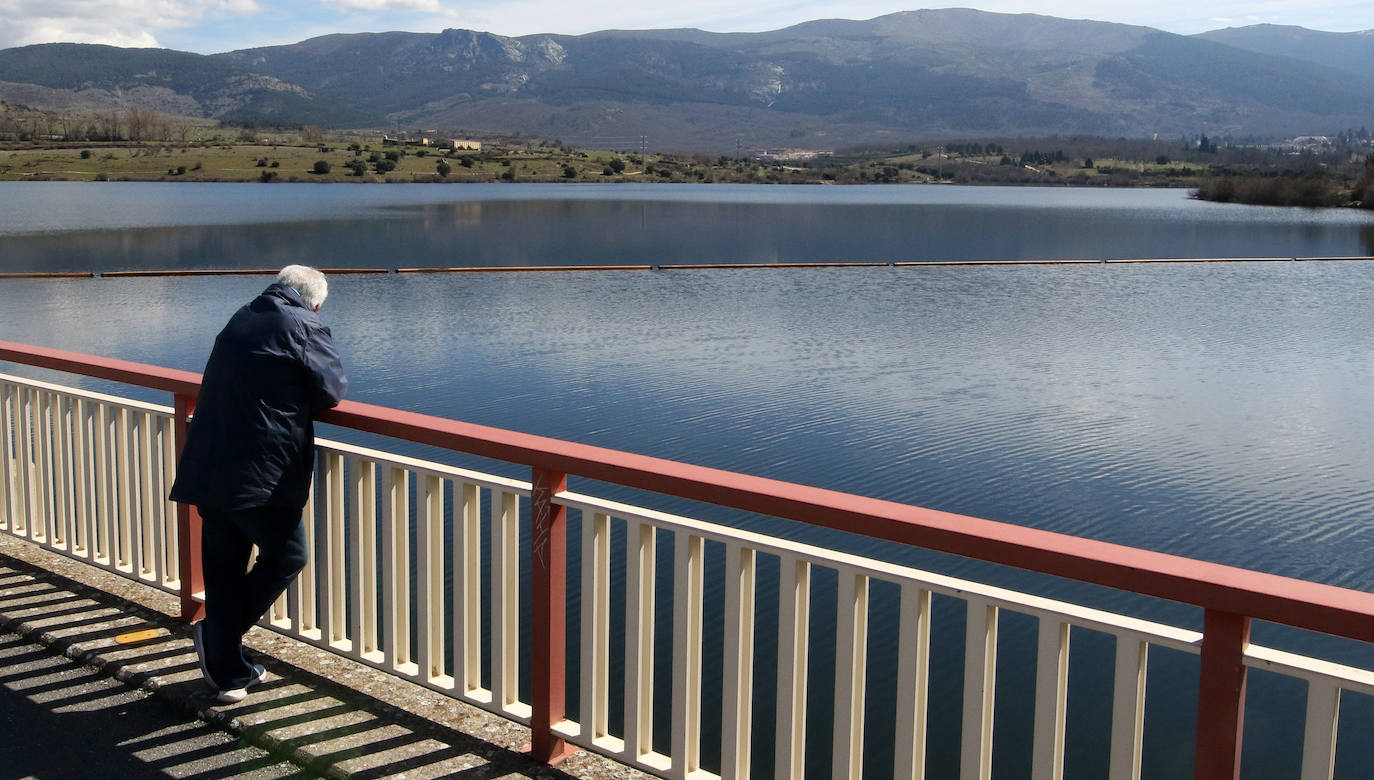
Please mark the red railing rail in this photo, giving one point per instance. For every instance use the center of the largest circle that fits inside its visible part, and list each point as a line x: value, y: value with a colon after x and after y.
x: 1231, y: 597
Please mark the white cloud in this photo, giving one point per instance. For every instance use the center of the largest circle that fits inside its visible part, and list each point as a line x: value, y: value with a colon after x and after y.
x: 114, y: 22
x: 404, y: 6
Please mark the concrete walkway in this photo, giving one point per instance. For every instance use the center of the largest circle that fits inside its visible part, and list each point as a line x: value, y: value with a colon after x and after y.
x: 73, y: 637
x: 62, y: 719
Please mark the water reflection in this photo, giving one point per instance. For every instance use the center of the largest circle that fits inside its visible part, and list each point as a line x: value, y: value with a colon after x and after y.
x: 366, y: 231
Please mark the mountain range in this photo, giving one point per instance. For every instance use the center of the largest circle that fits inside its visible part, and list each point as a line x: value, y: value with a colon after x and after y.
x: 829, y: 83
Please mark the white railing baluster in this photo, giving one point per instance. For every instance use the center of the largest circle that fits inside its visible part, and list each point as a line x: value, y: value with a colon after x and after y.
x: 124, y: 486
x: 689, y: 559
x: 333, y: 609
x: 1319, y: 735
x: 363, y: 566
x: 851, y: 664
x: 82, y: 472
x: 596, y: 626
x: 396, y: 558
x: 505, y: 604
x: 169, y: 508
x: 1128, y: 707
x: 467, y: 596
x: 738, y: 672
x: 794, y: 615
x: 62, y: 474
x: 304, y: 605
x: 639, y: 639
x: 28, y: 460
x: 429, y: 544
x: 103, y: 498
x: 40, y: 525
x: 980, y: 683
x: 8, y: 458
x: 913, y: 682
x: 1051, y: 699
x: 150, y: 565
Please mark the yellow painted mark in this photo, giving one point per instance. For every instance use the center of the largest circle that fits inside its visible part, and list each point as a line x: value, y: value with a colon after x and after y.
x: 137, y: 636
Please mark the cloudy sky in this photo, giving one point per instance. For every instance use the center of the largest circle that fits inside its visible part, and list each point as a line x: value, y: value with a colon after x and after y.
x: 208, y: 26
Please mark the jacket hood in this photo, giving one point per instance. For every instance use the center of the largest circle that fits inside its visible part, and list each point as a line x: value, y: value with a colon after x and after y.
x: 287, y: 293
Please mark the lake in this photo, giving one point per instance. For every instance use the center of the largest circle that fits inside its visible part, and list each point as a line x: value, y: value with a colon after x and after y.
x: 111, y: 226
x: 1216, y: 410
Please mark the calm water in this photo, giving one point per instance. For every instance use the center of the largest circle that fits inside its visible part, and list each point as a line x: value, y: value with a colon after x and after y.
x: 1214, y: 410
x: 175, y: 225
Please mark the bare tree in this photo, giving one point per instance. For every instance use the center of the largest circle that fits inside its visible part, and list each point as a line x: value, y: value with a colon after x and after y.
x: 140, y: 122
x: 109, y: 125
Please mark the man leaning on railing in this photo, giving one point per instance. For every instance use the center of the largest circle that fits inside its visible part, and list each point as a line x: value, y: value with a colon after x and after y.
x: 248, y: 461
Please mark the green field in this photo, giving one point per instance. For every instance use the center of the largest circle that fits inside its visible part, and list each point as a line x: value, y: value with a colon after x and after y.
x: 256, y: 162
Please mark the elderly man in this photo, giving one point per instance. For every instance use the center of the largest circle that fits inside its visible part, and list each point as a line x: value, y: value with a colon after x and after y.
x: 248, y: 462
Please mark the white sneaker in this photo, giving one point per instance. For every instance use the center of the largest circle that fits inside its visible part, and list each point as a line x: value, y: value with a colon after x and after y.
x: 236, y: 695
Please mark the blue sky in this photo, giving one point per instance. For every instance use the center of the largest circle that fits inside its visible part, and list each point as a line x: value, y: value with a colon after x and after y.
x: 208, y: 26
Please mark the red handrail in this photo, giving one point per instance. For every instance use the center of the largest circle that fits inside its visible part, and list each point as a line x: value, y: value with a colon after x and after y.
x: 1228, y: 594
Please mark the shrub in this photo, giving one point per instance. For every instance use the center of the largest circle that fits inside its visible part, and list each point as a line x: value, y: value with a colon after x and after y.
x: 466, y: 162
x: 322, y: 167
x: 267, y: 176
x: 384, y: 166
x: 569, y: 172
x: 85, y: 154
x: 444, y: 168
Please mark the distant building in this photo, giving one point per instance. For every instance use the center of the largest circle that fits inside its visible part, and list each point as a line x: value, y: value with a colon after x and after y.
x: 444, y: 143
x: 1310, y: 142
x: 792, y: 154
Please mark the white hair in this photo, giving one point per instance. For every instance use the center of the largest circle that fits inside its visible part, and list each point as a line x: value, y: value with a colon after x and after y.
x: 307, y: 281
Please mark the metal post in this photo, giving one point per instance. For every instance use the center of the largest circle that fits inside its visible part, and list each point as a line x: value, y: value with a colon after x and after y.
x: 188, y: 528
x: 548, y: 559
x: 1221, y: 696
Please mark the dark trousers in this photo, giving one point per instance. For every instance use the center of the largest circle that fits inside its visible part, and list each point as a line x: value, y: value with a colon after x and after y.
x: 236, y: 597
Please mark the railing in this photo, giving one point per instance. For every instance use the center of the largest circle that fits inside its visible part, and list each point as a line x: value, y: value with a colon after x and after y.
x: 397, y: 582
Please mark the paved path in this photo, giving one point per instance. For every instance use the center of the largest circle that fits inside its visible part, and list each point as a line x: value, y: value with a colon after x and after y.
x: 97, y: 680
x: 64, y: 720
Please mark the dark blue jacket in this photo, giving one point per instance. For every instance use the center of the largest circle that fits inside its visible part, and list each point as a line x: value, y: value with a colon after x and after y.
x: 252, y: 435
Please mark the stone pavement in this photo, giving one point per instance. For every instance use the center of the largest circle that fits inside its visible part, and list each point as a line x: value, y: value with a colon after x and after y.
x: 72, y: 635
x: 64, y: 720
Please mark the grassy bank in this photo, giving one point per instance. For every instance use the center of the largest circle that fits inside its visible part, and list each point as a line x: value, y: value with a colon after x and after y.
x: 362, y: 159
x: 1340, y: 185
x: 1238, y: 176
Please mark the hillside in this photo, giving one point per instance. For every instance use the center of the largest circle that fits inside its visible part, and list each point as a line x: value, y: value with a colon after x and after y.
x: 826, y: 83
x: 1351, y: 53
